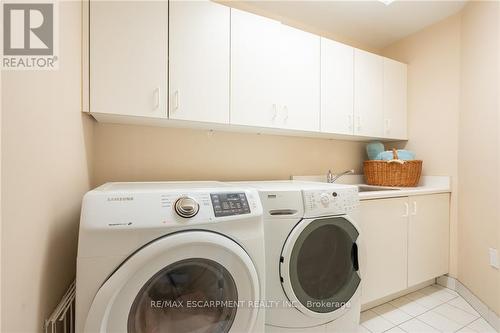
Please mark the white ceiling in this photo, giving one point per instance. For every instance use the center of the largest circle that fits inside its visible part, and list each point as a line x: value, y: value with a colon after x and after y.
x: 369, y: 23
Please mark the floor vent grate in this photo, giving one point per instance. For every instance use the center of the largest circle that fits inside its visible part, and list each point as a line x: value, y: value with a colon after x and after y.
x: 62, y: 320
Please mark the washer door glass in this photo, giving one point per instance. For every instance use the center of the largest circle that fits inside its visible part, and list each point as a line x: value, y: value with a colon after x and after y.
x: 192, y: 295
x: 324, y: 263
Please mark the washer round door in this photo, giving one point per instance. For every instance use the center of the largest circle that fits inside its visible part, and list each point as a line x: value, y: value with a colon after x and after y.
x: 192, y: 281
x: 319, y: 266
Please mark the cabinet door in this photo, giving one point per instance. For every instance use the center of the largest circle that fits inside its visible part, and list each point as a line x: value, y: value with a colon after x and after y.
x: 199, y: 61
x: 299, y: 80
x: 254, y: 69
x: 395, y: 103
x: 128, y: 57
x: 368, y: 94
x: 428, y: 237
x: 337, y: 87
x: 383, y: 259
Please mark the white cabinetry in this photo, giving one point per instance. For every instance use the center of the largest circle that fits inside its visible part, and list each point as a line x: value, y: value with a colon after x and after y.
x: 128, y: 57
x: 384, y: 227
x: 368, y: 94
x: 395, y: 101
x: 299, y: 80
x: 230, y: 67
x: 199, y: 61
x: 405, y: 241
x: 428, y: 237
x: 274, y: 74
x: 337, y: 87
x: 254, y: 71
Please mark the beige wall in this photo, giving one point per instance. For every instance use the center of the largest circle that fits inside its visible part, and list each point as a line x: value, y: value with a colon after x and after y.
x: 478, y: 157
x: 45, y: 171
x: 133, y: 153
x: 433, y: 58
x: 453, y: 114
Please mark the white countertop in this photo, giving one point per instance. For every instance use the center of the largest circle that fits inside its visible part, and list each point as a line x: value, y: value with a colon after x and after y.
x: 427, y: 185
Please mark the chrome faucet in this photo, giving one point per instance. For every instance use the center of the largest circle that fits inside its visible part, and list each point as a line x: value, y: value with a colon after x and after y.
x: 331, y: 178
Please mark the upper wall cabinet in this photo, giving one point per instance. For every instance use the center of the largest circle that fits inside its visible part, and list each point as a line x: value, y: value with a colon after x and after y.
x: 299, y: 80
x: 254, y: 73
x: 337, y: 87
x: 199, y: 61
x: 395, y: 101
x: 128, y: 57
x: 274, y: 74
x: 230, y: 67
x: 368, y: 94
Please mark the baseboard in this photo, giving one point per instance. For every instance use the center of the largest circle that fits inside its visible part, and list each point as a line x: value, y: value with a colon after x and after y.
x: 372, y: 304
x: 488, y: 314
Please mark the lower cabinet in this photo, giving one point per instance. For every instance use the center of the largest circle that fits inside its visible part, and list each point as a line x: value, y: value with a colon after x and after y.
x: 428, y: 237
x: 384, y: 246
x: 405, y: 241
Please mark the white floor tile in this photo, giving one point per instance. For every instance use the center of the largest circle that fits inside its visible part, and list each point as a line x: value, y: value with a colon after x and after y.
x: 375, y: 323
x: 439, y: 322
x: 428, y: 301
x: 391, y: 313
x: 417, y: 326
x: 428, y: 310
x: 439, y: 292
x: 455, y: 314
x: 444, y: 288
x: 409, y: 306
x: 481, y: 326
x: 362, y: 329
x: 461, y: 303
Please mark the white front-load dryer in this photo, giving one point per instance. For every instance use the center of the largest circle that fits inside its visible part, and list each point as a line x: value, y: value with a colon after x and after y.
x: 170, y: 257
x: 312, y: 267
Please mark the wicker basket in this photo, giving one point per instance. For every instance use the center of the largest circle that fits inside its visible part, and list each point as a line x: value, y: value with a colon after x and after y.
x: 393, y: 173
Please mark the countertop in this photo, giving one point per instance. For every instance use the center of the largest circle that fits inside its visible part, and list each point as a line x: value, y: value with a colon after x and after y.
x: 428, y: 185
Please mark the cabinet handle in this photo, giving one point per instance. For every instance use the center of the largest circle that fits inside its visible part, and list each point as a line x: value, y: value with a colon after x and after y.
x: 387, y: 126
x: 407, y: 210
x: 156, y: 98
x: 176, y: 100
x: 275, y: 112
x: 414, y: 208
x: 285, y: 109
x: 359, y: 123
x: 350, y: 122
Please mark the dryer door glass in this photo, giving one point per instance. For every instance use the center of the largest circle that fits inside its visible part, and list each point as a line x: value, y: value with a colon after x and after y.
x: 192, y: 295
x: 324, y: 264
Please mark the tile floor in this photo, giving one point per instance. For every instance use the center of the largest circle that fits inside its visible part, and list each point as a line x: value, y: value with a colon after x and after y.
x: 432, y: 309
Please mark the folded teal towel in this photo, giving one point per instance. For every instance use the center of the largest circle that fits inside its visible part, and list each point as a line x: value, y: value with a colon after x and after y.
x: 404, y: 155
x: 373, y: 149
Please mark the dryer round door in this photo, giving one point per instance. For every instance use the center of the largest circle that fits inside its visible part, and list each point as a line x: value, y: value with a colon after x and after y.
x: 319, y: 266
x: 193, y: 281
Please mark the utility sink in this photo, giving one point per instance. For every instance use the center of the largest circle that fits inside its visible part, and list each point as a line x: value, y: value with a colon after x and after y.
x: 369, y: 188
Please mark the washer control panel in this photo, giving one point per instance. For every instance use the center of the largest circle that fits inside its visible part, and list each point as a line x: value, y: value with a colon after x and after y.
x: 229, y: 204
x: 330, y: 201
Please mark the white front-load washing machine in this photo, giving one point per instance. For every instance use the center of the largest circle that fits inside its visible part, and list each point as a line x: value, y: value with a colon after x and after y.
x: 170, y: 257
x: 312, y: 270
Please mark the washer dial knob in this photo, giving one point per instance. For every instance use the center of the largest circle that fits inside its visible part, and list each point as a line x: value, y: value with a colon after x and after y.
x: 186, y: 207
x: 324, y: 199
